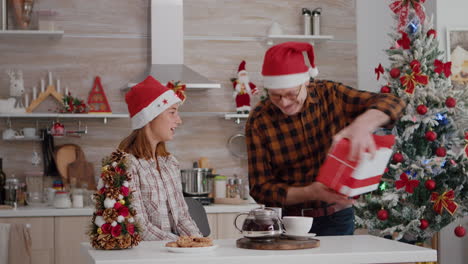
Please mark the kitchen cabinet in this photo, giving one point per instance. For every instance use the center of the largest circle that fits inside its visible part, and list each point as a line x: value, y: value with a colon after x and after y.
x: 42, y: 236
x: 70, y: 232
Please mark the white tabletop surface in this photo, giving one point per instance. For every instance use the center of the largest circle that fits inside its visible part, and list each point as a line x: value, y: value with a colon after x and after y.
x: 332, y: 250
x: 44, y: 211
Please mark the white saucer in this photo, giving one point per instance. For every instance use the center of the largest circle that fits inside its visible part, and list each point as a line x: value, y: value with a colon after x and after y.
x: 191, y: 250
x: 304, y: 236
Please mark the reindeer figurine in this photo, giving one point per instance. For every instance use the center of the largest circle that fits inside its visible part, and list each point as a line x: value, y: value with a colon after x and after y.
x: 16, y: 87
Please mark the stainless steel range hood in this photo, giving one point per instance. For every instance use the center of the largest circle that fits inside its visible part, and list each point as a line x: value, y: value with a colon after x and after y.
x: 167, y: 46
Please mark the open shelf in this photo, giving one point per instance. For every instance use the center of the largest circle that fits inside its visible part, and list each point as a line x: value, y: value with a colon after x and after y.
x: 229, y: 116
x: 31, y: 34
x: 63, y: 115
x: 271, y: 39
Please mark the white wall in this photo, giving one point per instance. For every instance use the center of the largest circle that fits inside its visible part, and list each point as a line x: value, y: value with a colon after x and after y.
x: 372, y: 29
x: 374, y: 21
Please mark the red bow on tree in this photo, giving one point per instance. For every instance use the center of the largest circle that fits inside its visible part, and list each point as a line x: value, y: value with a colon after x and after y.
x: 409, y: 81
x: 405, y: 41
x: 404, y: 181
x: 178, y: 88
x: 379, y: 70
x: 440, y: 67
x: 401, y: 8
x: 444, y: 201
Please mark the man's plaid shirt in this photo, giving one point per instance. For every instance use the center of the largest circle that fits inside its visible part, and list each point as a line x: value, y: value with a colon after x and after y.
x: 286, y: 151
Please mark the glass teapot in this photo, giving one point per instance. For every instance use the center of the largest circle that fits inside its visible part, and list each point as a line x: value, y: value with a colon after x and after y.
x: 261, y: 223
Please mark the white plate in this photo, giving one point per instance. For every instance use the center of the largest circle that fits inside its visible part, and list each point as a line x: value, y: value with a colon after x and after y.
x: 305, y: 236
x: 191, y: 249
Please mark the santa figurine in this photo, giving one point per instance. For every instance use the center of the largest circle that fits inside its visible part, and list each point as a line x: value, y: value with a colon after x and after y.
x: 243, y: 89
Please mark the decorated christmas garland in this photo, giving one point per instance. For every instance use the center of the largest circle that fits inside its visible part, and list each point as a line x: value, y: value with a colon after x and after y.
x: 114, y: 225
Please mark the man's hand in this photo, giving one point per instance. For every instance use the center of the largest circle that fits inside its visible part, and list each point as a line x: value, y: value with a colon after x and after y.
x: 360, y: 131
x: 315, y: 191
x: 318, y: 191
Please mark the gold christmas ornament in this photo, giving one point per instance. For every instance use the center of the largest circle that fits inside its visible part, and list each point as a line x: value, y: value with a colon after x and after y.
x: 99, y: 231
x: 122, y: 202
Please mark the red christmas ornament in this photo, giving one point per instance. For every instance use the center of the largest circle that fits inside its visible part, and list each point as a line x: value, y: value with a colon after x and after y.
x: 421, y: 109
x: 385, y: 89
x: 397, y: 157
x: 450, y: 102
x: 432, y: 32
x: 430, y: 185
x: 431, y: 135
x: 423, y: 224
x: 382, y: 214
x: 441, y: 152
x: 460, y: 231
x: 395, y: 73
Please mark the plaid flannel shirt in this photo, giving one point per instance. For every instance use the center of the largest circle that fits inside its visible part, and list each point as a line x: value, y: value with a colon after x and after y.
x: 158, y: 199
x: 285, y: 151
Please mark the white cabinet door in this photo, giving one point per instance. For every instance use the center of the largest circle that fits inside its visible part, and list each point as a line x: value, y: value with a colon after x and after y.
x: 42, y: 236
x: 70, y: 232
x: 226, y: 227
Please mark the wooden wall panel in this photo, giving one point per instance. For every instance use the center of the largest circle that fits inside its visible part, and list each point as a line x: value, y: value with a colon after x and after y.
x: 109, y: 38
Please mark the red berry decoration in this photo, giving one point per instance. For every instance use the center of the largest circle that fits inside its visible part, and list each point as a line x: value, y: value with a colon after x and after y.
x: 450, y: 102
x: 397, y: 157
x: 385, y: 89
x: 431, y: 135
x: 395, y: 73
x: 382, y: 214
x: 423, y: 224
x: 441, y: 152
x: 460, y: 231
x: 430, y: 185
x: 432, y: 32
x: 421, y: 109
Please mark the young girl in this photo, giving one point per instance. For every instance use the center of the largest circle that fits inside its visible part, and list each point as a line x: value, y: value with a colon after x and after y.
x: 158, y: 199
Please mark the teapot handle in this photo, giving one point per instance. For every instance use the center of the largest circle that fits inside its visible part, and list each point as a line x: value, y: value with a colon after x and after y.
x: 235, y: 221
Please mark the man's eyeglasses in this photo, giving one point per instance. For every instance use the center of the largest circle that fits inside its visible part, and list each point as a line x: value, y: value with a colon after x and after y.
x: 291, y: 97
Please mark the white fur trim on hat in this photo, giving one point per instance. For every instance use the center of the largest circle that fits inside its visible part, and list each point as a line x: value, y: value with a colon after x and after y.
x: 313, y: 72
x: 289, y: 80
x: 154, y: 109
x: 285, y: 81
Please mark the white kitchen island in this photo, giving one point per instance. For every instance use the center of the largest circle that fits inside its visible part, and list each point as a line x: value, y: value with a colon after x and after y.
x: 332, y: 250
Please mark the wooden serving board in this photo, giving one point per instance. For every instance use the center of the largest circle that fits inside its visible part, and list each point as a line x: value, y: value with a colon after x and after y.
x: 277, y: 244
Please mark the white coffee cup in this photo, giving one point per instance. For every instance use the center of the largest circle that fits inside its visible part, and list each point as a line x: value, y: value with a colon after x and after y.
x: 29, y: 132
x: 9, y: 134
x: 297, y: 225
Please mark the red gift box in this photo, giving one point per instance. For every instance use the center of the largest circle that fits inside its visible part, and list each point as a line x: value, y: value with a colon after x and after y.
x: 356, y: 177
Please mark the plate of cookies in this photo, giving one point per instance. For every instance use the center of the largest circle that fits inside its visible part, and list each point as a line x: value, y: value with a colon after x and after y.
x: 191, y: 244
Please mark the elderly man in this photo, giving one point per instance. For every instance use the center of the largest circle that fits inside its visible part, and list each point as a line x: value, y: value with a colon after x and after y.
x: 290, y: 133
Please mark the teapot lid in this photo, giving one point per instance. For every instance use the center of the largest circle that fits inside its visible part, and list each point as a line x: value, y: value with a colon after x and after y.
x: 263, y: 213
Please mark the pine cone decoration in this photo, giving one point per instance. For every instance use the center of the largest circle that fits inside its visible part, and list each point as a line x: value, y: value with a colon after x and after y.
x: 116, y: 156
x: 108, y: 177
x: 136, y: 239
x: 105, y: 241
x: 113, y: 193
x: 95, y: 242
x: 110, y: 215
x: 124, y: 241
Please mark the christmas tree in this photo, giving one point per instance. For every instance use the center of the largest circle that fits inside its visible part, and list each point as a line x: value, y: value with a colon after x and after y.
x: 113, y: 224
x: 425, y: 186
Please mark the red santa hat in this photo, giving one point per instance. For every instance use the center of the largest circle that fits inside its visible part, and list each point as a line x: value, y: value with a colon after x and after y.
x: 284, y: 65
x: 147, y: 100
x: 241, y: 68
